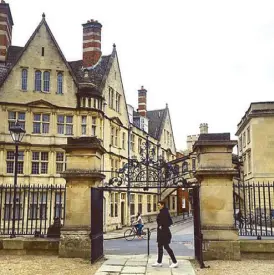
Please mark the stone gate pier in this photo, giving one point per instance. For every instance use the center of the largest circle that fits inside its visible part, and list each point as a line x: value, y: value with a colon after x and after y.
x: 215, y: 172
x: 83, y: 165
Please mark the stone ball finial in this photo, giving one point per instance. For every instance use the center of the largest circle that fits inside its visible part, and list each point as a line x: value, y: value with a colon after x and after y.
x: 43, y: 15
x: 114, y: 45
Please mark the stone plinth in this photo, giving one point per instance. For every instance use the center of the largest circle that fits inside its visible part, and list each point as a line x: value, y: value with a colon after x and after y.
x: 83, y: 172
x: 215, y: 171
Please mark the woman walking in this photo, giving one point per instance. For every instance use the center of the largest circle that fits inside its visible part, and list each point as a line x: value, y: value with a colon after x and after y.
x: 164, y: 221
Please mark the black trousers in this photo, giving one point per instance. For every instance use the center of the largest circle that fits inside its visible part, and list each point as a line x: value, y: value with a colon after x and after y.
x: 168, y: 250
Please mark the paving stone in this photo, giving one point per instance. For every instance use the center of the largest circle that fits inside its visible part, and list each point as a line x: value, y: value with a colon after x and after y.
x: 107, y: 273
x: 115, y: 262
x: 110, y: 268
x: 133, y: 269
x: 136, y: 263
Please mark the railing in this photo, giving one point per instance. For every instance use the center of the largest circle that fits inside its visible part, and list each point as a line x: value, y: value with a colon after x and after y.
x: 36, y: 207
x: 254, y: 208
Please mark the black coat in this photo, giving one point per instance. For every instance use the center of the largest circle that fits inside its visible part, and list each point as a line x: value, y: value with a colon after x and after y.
x: 164, y: 221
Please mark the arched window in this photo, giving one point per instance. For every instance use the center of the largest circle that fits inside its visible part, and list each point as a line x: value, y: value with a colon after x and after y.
x: 38, y: 83
x: 46, y: 81
x: 59, y: 83
x: 24, y: 79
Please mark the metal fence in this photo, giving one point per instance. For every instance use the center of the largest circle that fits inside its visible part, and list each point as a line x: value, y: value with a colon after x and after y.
x: 35, y: 208
x: 254, y: 208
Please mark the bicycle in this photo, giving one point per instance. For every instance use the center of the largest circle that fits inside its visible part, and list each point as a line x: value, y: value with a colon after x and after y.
x: 131, y: 233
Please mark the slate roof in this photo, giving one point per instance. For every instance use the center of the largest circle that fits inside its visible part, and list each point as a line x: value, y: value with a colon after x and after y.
x: 96, y: 74
x: 156, y: 122
x: 13, y: 54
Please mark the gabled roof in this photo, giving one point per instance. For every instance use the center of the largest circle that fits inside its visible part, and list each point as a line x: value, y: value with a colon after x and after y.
x: 156, y: 122
x: 15, y: 53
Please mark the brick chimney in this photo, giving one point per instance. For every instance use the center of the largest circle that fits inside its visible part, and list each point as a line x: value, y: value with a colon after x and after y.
x: 6, y: 24
x: 91, y: 43
x: 142, y: 101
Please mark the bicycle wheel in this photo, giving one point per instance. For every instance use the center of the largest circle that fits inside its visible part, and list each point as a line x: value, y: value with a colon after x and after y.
x: 129, y: 234
x: 144, y: 234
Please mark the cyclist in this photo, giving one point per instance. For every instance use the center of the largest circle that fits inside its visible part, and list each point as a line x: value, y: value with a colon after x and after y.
x: 139, y: 224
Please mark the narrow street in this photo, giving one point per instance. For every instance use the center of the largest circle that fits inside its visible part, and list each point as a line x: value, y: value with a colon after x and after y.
x: 182, y: 243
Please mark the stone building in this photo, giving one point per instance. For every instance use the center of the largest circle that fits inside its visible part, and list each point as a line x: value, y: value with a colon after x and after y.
x: 54, y: 99
x: 256, y: 142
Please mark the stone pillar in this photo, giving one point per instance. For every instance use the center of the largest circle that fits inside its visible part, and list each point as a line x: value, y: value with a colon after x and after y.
x: 215, y: 172
x: 83, y: 165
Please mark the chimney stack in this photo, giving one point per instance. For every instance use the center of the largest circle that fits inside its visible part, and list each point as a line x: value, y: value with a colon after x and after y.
x: 142, y: 102
x: 91, y: 43
x: 6, y: 24
x: 203, y: 128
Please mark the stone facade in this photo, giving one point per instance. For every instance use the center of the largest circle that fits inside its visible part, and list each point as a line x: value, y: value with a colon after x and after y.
x: 54, y: 99
x: 256, y: 142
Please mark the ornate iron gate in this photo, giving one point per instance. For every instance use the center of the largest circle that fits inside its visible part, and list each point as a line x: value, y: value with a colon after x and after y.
x: 198, y: 236
x: 96, y: 234
x: 148, y: 172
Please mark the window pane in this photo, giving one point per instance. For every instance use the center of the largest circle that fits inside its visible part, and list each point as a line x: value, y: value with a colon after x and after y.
x: 59, y: 156
x: 59, y: 83
x: 84, y: 119
x: 60, y: 129
x: 69, y: 119
x: 21, y: 116
x: 38, y: 81
x: 69, y: 130
x: 44, y: 168
x: 10, y: 165
x: 12, y: 115
x: 45, y: 128
x: 44, y: 156
x: 46, y: 81
x: 36, y: 128
x: 35, y: 168
x: 24, y: 79
x: 36, y: 117
x: 35, y: 155
x: 45, y: 118
x: 60, y: 119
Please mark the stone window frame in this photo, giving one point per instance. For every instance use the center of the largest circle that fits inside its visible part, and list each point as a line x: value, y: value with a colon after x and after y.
x: 60, y: 159
x: 132, y: 142
x: 46, y: 81
x: 44, y: 124
x: 10, y: 162
x: 84, y: 119
x: 24, y: 79
x: 60, y: 81
x: 39, y: 162
x: 14, y: 116
x: 65, y: 124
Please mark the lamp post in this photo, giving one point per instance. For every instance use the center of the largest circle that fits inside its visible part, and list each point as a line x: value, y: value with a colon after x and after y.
x: 17, y: 133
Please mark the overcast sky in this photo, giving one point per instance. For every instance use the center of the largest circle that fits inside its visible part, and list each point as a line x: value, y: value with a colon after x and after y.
x: 207, y: 59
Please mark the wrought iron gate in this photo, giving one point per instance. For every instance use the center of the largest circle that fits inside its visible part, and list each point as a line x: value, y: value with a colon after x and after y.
x: 148, y: 172
x: 96, y: 235
x: 198, y: 236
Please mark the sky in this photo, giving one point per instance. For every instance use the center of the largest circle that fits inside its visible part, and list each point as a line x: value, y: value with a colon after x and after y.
x: 207, y: 59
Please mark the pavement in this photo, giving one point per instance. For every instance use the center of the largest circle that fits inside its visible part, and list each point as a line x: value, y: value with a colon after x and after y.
x: 141, y: 264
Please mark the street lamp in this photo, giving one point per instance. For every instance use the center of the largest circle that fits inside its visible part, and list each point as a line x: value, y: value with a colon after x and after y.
x: 17, y: 133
